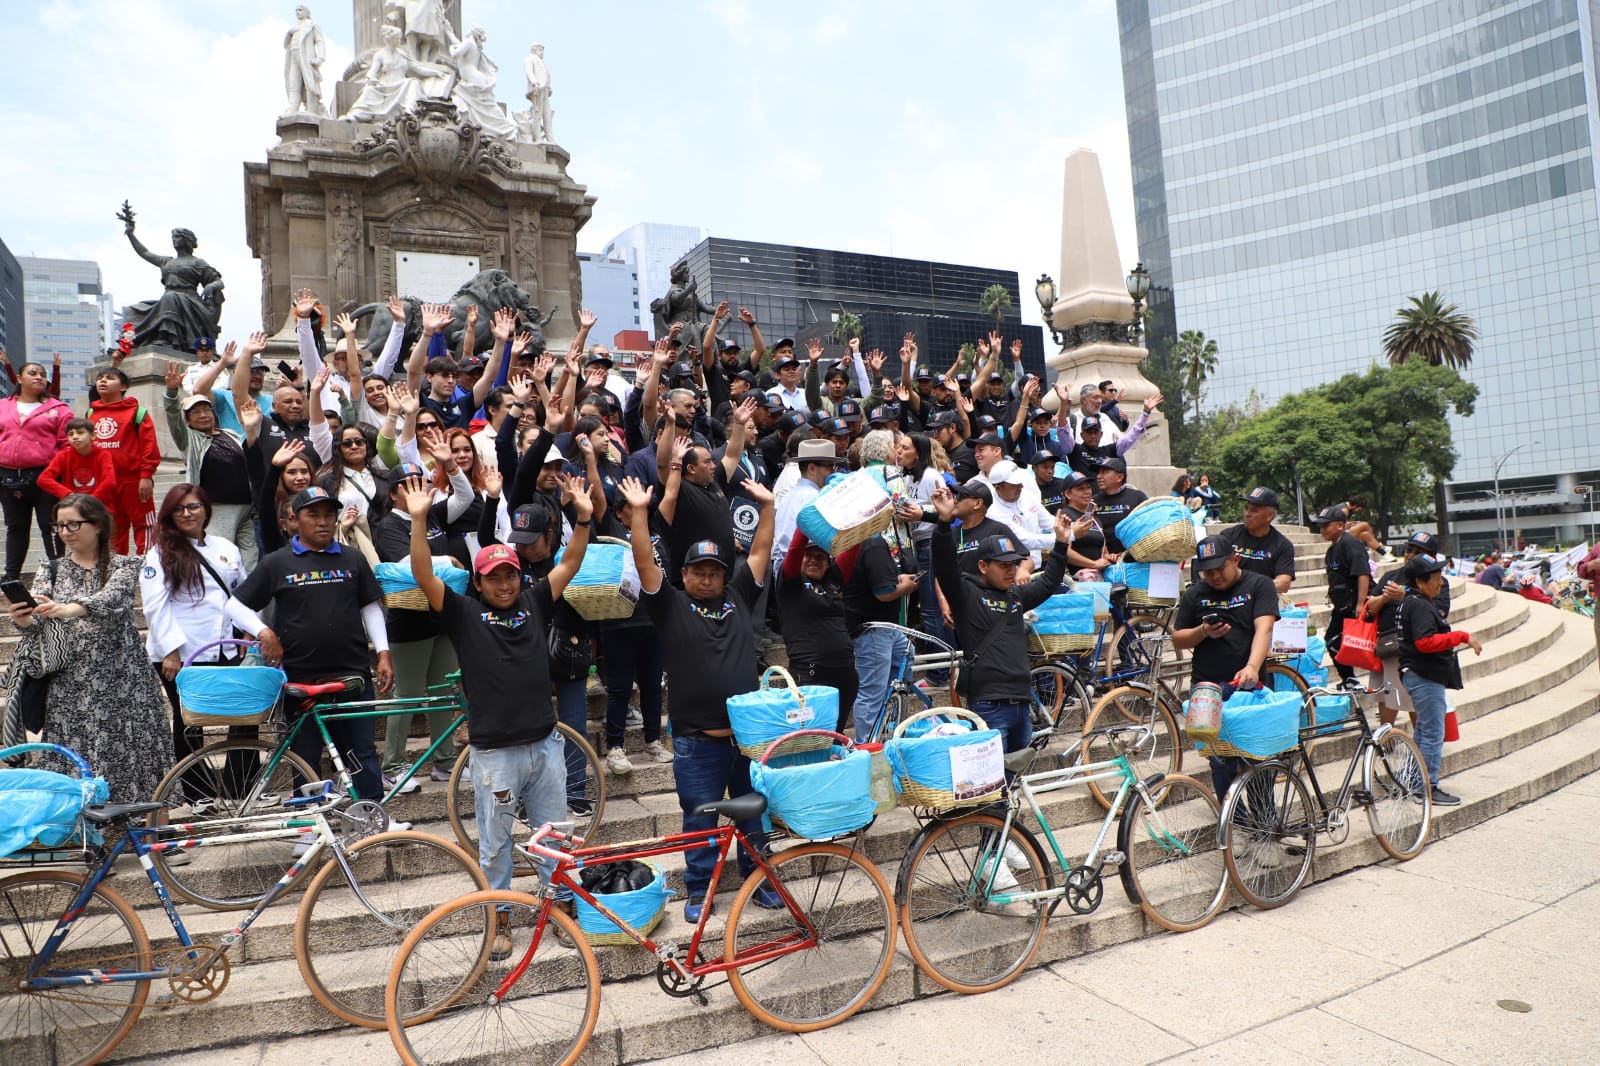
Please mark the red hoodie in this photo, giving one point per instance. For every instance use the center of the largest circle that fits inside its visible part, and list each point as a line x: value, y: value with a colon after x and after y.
x: 70, y: 472
x: 134, y: 450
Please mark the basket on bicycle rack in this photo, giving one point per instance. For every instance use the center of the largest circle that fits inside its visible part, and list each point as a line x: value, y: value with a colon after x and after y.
x: 1158, y: 531
x: 1256, y: 724
x: 943, y: 772
x: 642, y: 908
x: 816, y: 793
x: 244, y: 694
x: 41, y: 811
x: 1136, y: 576
x: 760, y: 717
x: 1066, y: 624
x: 400, y: 589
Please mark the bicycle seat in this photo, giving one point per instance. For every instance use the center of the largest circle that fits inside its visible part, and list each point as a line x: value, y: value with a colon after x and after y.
x: 310, y: 690
x: 119, y: 812
x: 739, y: 809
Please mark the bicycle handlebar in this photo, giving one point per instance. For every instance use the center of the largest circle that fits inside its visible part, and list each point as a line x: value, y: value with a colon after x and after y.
x: 559, y: 830
x: 913, y: 634
x: 85, y: 771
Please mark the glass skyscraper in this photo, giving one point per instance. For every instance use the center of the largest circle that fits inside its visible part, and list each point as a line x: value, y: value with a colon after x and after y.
x: 1301, y: 168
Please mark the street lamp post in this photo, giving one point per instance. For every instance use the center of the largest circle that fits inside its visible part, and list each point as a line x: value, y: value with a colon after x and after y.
x: 1138, y: 287
x: 1499, y: 512
x: 1044, y: 290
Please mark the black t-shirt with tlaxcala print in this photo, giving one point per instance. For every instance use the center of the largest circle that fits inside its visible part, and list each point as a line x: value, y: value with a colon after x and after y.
x: 1270, y: 556
x: 1217, y: 659
x: 318, y: 596
x: 505, y: 665
x: 709, y: 647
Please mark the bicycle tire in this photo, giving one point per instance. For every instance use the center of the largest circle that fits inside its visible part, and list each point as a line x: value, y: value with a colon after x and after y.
x: 1162, y: 751
x: 1395, y: 775
x: 463, y: 813
x: 851, y: 908
x: 1268, y: 852
x: 1173, y: 866
x: 404, y: 875
x: 227, y: 877
x: 1060, y: 701
x: 81, y: 1023
x: 956, y: 935
x: 439, y: 1001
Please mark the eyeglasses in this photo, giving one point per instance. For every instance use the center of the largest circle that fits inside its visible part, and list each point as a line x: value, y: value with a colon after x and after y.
x: 68, y: 527
x: 353, y: 442
x: 188, y: 508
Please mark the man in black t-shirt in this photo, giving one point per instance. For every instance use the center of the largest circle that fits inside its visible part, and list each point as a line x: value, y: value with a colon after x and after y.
x: 694, y: 500
x: 1261, y: 548
x: 1114, y: 500
x: 1226, y: 617
x: 328, y: 607
x: 708, y: 643
x: 876, y: 591
x: 1052, y: 489
x: 1349, y: 576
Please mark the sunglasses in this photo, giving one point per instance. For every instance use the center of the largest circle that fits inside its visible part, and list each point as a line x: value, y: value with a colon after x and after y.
x: 353, y: 442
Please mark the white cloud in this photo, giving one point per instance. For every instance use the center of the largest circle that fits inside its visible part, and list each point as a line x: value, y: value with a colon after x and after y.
x: 831, y: 29
x: 734, y: 16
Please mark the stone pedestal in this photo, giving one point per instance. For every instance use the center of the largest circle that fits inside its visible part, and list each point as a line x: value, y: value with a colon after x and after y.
x: 147, y: 382
x: 1093, y: 311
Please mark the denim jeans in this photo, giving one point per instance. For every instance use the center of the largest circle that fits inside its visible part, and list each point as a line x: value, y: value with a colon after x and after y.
x: 633, y: 654
x: 707, y: 771
x: 932, y: 620
x: 529, y: 773
x: 1011, y: 719
x: 880, y: 654
x: 1431, y: 699
x: 356, y: 741
x: 572, y: 707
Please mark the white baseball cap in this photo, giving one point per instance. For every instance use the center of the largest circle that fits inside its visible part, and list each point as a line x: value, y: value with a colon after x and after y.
x: 1005, y: 472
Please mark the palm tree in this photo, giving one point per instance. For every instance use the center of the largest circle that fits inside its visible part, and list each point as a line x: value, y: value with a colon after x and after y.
x: 1196, y: 360
x: 995, y: 302
x: 1432, y: 330
x: 846, y: 326
x: 1443, y: 335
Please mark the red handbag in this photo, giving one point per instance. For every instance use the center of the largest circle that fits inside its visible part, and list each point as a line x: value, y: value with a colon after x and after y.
x: 1358, y: 643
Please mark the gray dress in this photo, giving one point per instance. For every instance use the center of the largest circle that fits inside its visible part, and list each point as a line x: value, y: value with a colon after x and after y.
x: 106, y: 703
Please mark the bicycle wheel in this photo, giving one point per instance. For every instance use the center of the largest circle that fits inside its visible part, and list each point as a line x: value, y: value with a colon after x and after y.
x: 1060, y: 702
x: 1160, y: 753
x: 1395, y: 776
x: 849, y: 907
x: 77, y: 1023
x: 1268, y: 834
x: 1174, y: 869
x: 463, y: 810
x: 957, y: 934
x: 402, y: 876
x: 233, y: 876
x: 447, y: 1001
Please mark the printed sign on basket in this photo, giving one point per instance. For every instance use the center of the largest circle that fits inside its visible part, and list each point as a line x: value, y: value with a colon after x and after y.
x: 977, y: 769
x: 1289, y: 636
x: 1164, y: 578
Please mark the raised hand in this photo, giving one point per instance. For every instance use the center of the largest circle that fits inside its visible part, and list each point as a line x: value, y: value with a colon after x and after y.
x: 635, y: 493
x: 902, y: 394
x: 582, y: 502
x: 55, y: 359
x: 677, y: 328
x: 305, y: 302
x: 437, y: 446
x: 286, y: 451
x: 397, y: 309
x: 663, y: 352
x: 416, y: 498
x: 346, y: 324
x: 680, y: 448
x: 435, y: 317
x: 250, y: 417
x: 504, y: 325
x: 492, y: 482
x: 554, y: 412
x: 995, y: 341
x: 571, y: 362
x: 174, y: 376
x: 745, y: 413
x: 320, y: 382
x: 521, y: 383
x: 587, y: 318
x: 348, y: 520
x: 757, y: 492
x: 983, y: 348
x: 855, y: 345
x: 813, y: 349
x: 1030, y: 391
x: 721, y: 312
x: 402, y: 399
x: 1016, y: 349
x: 1063, y: 391
x: 746, y: 317
x: 256, y: 344
x: 944, y: 503
x: 230, y: 354
x: 875, y: 360
x: 542, y: 366
x: 1152, y: 402
x: 964, y: 401
x: 520, y: 343
x: 595, y: 376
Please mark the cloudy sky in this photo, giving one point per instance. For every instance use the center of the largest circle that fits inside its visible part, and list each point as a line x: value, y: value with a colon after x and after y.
x: 897, y: 127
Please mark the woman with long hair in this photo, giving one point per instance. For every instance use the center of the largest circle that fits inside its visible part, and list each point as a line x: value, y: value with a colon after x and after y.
x: 33, y: 428
x: 187, y: 578
x: 463, y: 531
x: 291, y: 470
x: 104, y: 701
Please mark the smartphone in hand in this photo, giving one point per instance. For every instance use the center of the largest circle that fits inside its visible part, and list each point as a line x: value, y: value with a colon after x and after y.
x: 17, y: 592
x: 1214, y: 619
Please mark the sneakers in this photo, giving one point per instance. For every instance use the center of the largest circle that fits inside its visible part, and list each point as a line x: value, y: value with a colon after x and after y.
x: 397, y: 827
x: 1267, y: 854
x: 656, y: 751
x: 411, y: 785
x: 617, y: 761
x: 1004, y: 879
x: 696, y: 906
x: 1015, y: 859
x: 635, y: 719
x: 1441, y: 798
x: 766, y: 896
x: 580, y: 807
x: 500, y: 950
x: 441, y: 776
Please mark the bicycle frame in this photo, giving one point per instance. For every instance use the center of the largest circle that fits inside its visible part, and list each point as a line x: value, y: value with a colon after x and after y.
x: 944, y: 657
x: 1355, y: 725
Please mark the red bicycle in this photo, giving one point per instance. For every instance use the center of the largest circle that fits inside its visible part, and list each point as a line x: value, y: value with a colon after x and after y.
x: 805, y: 965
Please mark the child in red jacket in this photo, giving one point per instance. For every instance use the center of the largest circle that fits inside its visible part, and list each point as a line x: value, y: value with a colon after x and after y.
x: 124, y: 428
x: 81, y: 467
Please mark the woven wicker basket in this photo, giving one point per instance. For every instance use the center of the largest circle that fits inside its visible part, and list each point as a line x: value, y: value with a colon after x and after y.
x: 913, y: 794
x: 806, y: 741
x: 1173, y: 543
x: 596, y: 603
x: 1060, y: 643
x: 620, y: 937
x: 1143, y: 598
x: 846, y: 539
x: 406, y: 600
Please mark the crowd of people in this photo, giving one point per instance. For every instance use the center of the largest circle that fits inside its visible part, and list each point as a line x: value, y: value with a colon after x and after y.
x: 507, y: 462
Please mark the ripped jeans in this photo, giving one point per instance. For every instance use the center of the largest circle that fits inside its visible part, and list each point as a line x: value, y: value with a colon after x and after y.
x: 532, y: 776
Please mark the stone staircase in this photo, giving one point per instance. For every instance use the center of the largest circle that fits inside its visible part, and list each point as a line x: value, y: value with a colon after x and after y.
x: 1528, y: 727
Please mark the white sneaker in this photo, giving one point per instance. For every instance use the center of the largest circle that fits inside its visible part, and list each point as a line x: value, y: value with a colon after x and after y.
x: 397, y: 827
x: 656, y: 751
x: 635, y: 719
x: 617, y: 761
x: 411, y: 785
x: 1004, y: 879
x: 1015, y: 859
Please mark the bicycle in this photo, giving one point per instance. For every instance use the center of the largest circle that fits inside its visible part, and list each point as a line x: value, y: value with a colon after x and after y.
x: 76, y: 963
x: 1269, y: 825
x: 245, y: 775
x: 976, y: 891
x: 446, y: 998
x: 904, y: 697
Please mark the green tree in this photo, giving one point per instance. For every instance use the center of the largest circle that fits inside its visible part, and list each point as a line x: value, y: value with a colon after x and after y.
x: 1195, y: 359
x: 1303, y: 443
x: 846, y: 327
x: 995, y: 302
x: 1441, y: 335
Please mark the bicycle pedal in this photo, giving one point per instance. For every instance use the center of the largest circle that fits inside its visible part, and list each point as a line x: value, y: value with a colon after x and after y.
x: 1112, y: 858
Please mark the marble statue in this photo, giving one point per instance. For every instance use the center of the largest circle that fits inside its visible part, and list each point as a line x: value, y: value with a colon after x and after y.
x: 474, y: 89
x: 682, y: 303
x: 395, y: 82
x: 428, y: 34
x: 304, y: 50
x: 535, y: 121
x: 180, y: 315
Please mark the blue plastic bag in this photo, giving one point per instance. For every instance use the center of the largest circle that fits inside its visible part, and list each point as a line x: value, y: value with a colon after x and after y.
x: 1068, y: 612
x: 1310, y: 665
x: 818, y: 794
x: 847, y: 511
x: 760, y: 717
x: 396, y: 577
x: 1260, y: 722
x: 43, y: 807
x: 225, y: 692
x: 1152, y: 516
x: 1331, y: 710
x: 925, y: 761
x: 640, y: 908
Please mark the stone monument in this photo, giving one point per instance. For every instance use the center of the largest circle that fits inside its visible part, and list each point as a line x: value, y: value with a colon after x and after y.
x: 421, y: 186
x: 1093, y: 311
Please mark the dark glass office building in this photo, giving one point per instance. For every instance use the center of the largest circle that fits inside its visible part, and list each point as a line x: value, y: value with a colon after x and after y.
x: 797, y: 292
x: 1300, y: 169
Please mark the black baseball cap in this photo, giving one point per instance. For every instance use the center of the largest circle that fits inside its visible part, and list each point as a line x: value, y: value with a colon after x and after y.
x: 792, y: 421
x: 1212, y: 553
x: 311, y: 496
x: 1075, y: 478
x: 1090, y: 424
x: 984, y: 423
x: 995, y: 375
x: 991, y: 439
x: 600, y: 359
x: 1000, y: 549
x: 1420, y: 566
x: 1424, y: 542
x: 784, y: 342
x: 1327, y: 516
x: 848, y: 410
x: 786, y: 361
x: 923, y: 374
x: 681, y: 370
x: 731, y: 346
x: 940, y: 419
x: 837, y: 370
x: 1262, y: 497
x: 770, y: 402
x: 975, y: 489
x: 1047, y: 453
x: 705, y: 551
x: 882, y: 416
x: 1036, y: 413
x: 529, y: 523
x: 405, y: 472
x: 963, y: 379
x: 834, y: 427
x: 1117, y: 463
x: 750, y: 379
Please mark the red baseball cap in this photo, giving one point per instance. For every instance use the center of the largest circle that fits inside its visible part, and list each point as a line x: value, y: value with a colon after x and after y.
x: 495, y: 555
